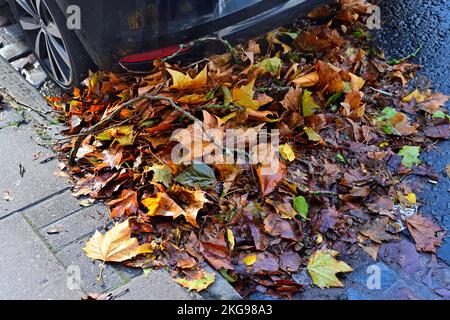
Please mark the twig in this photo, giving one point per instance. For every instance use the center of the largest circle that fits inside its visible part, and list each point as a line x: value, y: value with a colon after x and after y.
x: 324, y: 193
x: 43, y: 114
x: 382, y: 92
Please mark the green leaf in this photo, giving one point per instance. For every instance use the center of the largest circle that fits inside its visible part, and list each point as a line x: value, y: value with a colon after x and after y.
x: 440, y: 115
x: 308, y: 104
x: 162, y: 174
x: 301, y: 206
x: 197, y: 175
x: 410, y: 156
x: 312, y: 135
x: 271, y: 65
x: 387, y: 114
x: 322, y: 267
x: 341, y: 158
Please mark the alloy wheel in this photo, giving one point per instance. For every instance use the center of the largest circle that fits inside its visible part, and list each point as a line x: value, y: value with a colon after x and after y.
x: 39, y: 24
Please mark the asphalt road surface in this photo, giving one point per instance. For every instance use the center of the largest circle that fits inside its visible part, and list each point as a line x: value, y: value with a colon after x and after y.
x: 406, y: 26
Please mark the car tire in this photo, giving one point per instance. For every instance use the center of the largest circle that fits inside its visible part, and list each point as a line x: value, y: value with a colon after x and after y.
x: 57, y: 48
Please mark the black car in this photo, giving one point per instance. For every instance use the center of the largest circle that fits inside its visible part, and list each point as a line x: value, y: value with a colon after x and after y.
x: 72, y: 36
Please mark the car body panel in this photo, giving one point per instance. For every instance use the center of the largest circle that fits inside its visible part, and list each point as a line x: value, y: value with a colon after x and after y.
x: 113, y: 29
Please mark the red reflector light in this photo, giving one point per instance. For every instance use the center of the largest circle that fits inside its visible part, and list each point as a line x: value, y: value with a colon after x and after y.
x: 152, y: 55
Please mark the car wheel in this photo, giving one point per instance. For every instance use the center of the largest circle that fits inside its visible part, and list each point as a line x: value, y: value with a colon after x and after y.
x: 57, y: 48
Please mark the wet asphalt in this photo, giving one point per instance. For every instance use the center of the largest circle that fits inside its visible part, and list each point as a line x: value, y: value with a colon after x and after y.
x: 406, y: 26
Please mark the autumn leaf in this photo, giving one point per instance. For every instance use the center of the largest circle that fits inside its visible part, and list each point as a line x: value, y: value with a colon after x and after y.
x: 124, y: 135
x: 322, y: 267
x: 308, y: 104
x: 161, y: 174
x: 197, y: 175
x: 183, y: 81
x: 410, y: 156
x: 301, y: 206
x: 199, y: 283
x: 426, y: 234
x: 270, y: 65
x: 376, y: 230
x: 231, y: 239
x: 116, y: 245
x: 287, y: 153
x: 307, y: 80
x: 250, y: 260
x: 243, y: 97
x: 126, y: 203
x: 312, y: 135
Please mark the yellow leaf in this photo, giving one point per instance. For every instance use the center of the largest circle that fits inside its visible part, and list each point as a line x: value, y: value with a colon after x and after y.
x: 183, y: 81
x: 116, y: 245
x: 230, y: 238
x: 416, y: 95
x: 411, y: 197
x: 312, y: 135
x: 307, y: 80
x: 192, y: 98
x: 308, y: 104
x: 146, y: 248
x: 250, y: 260
x: 356, y: 82
x: 287, y: 153
x: 322, y: 268
x: 243, y: 97
x: 199, y: 283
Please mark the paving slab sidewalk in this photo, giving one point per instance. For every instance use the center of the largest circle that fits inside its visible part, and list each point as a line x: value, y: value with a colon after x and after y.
x: 42, y: 227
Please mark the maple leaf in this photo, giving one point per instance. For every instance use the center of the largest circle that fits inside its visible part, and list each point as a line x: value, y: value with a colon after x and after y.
x: 183, y: 81
x: 116, y: 245
x: 126, y: 203
x: 243, y: 96
x: 200, y: 282
x: 426, y: 234
x: 322, y: 267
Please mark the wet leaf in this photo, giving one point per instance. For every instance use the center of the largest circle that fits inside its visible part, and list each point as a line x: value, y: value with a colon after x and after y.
x: 183, y: 81
x: 125, y: 204
x: 162, y: 174
x: 250, y: 260
x: 426, y: 234
x: 410, y: 156
x: 287, y: 153
x: 301, y: 206
x: 243, y: 96
x: 308, y: 104
x: 199, y: 282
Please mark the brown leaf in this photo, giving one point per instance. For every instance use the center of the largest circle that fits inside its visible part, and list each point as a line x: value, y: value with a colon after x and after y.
x: 425, y: 233
x: 376, y: 230
x: 126, y: 203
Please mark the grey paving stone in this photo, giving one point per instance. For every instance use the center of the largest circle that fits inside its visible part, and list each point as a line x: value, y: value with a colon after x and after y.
x: 51, y: 210
x: 157, y: 285
x: 409, y: 290
x: 14, y: 51
x: 355, y: 293
x: 367, y: 277
x: 74, y: 257
x: 28, y: 270
x: 10, y: 34
x: 35, y: 76
x: 75, y: 226
x: 220, y: 289
x: 38, y: 180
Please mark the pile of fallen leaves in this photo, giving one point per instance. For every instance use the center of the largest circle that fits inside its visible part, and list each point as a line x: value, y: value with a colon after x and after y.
x: 350, y: 132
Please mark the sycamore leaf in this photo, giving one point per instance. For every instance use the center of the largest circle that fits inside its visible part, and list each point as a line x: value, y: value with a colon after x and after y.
x: 426, y: 234
x: 322, y: 268
x: 307, y: 80
x: 287, y: 153
x: 197, y: 175
x: 199, y: 282
x: 116, y: 245
x: 270, y: 65
x: 301, y: 206
x: 124, y: 135
x: 243, y: 97
x: 410, y: 156
x: 162, y: 174
x: 183, y: 81
x: 308, y: 104
x: 126, y: 203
